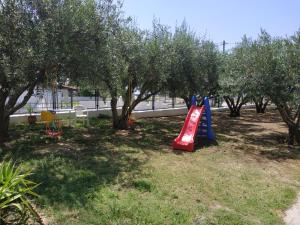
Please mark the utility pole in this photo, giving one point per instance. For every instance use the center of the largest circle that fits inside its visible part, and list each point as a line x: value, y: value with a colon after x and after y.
x: 153, y: 102
x: 224, y: 44
x: 71, y: 93
x: 97, y: 98
x: 173, y: 102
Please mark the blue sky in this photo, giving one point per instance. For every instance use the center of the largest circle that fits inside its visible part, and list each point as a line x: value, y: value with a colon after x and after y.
x: 220, y: 20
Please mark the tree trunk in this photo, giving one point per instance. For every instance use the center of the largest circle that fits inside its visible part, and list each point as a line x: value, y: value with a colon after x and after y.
x: 235, y: 113
x: 297, y: 136
x: 4, y: 124
x: 187, y: 101
x: 234, y: 108
x: 259, y: 109
x: 119, y: 122
x: 122, y: 123
x: 127, y: 109
x: 114, y: 111
x: 292, y: 120
x: 292, y: 135
x: 260, y: 105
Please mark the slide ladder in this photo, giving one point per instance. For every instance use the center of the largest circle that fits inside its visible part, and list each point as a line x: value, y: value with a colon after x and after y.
x: 205, y: 126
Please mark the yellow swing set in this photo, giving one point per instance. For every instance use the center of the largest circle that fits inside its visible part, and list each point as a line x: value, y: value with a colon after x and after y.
x: 53, y: 126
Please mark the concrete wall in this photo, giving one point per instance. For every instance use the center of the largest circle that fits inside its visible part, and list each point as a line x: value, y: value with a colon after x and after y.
x: 22, y: 118
x: 160, y: 113
x: 65, y: 115
x: 142, y: 114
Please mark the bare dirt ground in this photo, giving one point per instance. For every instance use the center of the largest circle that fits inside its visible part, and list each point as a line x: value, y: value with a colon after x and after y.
x: 264, y: 135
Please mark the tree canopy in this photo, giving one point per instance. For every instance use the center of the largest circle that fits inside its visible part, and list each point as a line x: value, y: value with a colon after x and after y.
x: 234, y: 77
x: 193, y: 65
x: 135, y: 61
x: 40, y: 41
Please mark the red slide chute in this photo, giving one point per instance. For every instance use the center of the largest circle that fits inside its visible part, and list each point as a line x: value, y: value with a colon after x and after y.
x: 186, y: 139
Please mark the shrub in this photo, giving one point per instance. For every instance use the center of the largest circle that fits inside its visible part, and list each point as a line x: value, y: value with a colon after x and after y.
x: 15, y: 190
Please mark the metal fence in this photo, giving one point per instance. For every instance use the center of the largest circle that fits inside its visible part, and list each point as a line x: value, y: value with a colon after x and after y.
x: 154, y: 103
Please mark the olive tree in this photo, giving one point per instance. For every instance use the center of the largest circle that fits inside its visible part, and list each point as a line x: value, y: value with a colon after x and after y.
x: 284, y: 83
x: 262, y: 66
x: 193, y: 66
x: 127, y: 60
x: 21, y: 64
x: 137, y: 61
x: 35, y: 41
x: 266, y: 69
x: 275, y: 75
x: 234, y: 76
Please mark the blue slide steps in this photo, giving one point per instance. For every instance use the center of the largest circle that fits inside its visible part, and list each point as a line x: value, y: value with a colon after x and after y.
x: 205, y: 125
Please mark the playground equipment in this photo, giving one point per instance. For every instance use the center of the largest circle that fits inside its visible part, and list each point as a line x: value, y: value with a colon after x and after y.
x: 79, y: 111
x: 197, y: 124
x: 52, y: 125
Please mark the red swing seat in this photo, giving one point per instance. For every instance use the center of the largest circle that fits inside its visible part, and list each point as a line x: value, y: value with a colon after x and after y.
x: 52, y: 125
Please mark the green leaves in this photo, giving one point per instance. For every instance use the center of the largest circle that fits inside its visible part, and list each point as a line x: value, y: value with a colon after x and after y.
x: 263, y: 68
x: 234, y: 70
x: 46, y: 40
x: 15, y: 190
x: 193, y: 65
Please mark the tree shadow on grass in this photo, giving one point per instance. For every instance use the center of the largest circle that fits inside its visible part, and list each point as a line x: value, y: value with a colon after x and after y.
x: 71, y: 179
x: 281, y: 154
x: 150, y: 134
x: 271, y: 146
x: 270, y: 139
x: 70, y: 169
x: 205, y: 143
x: 250, y: 116
x: 229, y: 126
x: 271, y: 116
x: 258, y: 135
x: 88, y: 159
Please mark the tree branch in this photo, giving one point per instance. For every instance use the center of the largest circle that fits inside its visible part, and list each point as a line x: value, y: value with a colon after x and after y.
x: 25, y: 99
x: 237, y: 102
x: 11, y: 107
x: 226, y: 98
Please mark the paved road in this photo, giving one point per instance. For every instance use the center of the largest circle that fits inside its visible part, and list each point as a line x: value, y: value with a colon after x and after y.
x: 292, y: 215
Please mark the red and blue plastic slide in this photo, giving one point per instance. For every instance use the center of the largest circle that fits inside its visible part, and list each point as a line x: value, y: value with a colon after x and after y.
x: 197, y: 124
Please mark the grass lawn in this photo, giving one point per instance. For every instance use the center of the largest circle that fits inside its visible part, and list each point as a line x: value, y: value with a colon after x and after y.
x: 97, y: 175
